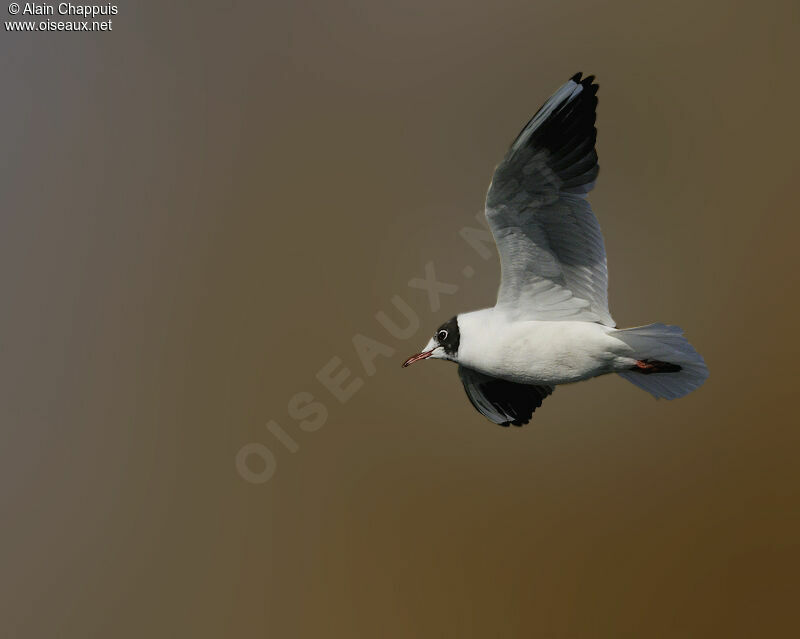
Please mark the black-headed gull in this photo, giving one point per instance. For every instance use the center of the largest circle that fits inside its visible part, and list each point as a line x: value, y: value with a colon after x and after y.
x: 551, y: 323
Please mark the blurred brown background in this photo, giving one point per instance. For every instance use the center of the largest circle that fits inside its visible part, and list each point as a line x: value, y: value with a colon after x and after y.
x: 203, y: 207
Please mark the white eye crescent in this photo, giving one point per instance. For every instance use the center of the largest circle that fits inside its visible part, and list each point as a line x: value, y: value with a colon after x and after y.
x: 442, y: 335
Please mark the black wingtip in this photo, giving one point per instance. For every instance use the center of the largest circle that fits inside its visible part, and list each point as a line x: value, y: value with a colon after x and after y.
x: 588, y: 83
x: 516, y: 422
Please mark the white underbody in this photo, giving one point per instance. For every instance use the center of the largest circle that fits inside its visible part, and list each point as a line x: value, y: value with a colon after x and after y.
x: 539, y: 352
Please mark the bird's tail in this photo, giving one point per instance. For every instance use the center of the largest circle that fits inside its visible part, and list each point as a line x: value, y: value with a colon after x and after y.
x: 666, y: 363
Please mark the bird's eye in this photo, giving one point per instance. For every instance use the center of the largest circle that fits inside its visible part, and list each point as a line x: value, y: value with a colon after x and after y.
x: 442, y: 335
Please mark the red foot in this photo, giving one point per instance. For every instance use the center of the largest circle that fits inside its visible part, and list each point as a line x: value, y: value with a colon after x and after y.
x: 647, y: 366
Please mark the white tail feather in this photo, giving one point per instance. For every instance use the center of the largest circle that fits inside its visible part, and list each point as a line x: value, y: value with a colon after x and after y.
x: 665, y: 344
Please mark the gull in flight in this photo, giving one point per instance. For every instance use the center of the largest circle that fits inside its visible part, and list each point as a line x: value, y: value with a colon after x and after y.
x: 551, y: 323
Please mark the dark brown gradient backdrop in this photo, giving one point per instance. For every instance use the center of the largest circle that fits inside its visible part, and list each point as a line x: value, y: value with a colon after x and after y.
x: 203, y: 207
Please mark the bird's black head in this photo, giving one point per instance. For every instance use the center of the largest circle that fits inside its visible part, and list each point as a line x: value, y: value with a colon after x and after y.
x: 448, y: 336
x: 443, y: 345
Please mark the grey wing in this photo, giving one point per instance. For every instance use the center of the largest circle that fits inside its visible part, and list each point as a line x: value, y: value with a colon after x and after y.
x: 551, y: 247
x: 500, y: 401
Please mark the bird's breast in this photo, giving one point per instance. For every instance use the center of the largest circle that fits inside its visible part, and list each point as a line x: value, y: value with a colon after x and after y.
x: 535, y: 352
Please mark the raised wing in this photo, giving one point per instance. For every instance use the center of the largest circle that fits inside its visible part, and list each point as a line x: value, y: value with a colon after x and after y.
x: 500, y: 401
x: 551, y: 247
